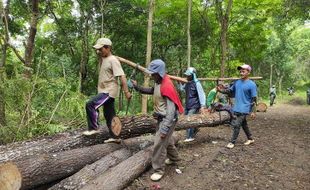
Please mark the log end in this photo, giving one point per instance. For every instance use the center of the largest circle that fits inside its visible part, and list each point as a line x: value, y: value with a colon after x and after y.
x: 116, y: 125
x: 261, y: 107
x: 10, y: 177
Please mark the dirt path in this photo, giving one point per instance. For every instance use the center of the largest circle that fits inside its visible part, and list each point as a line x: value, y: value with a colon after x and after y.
x: 279, y: 159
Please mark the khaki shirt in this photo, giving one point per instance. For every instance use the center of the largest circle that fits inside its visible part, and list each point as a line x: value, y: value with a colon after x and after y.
x: 110, y: 69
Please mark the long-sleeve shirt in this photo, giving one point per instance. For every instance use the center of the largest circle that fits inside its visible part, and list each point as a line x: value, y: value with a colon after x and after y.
x: 195, y: 95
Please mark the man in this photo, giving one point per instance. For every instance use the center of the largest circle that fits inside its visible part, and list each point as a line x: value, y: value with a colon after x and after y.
x: 272, y: 94
x: 245, y: 93
x: 213, y: 94
x: 195, y: 99
x: 110, y: 71
x: 167, y: 105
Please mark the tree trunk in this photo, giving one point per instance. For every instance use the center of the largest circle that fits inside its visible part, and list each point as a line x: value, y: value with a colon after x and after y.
x: 10, y: 177
x: 189, y: 46
x: 89, y: 172
x: 121, y: 175
x: 132, y: 126
x: 224, y: 20
x: 148, y: 52
x: 270, y: 81
x: 4, y: 47
x: 85, y: 50
x: 46, y: 168
x: 29, y: 49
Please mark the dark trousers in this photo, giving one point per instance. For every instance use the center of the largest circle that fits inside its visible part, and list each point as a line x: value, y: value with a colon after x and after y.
x: 92, y: 111
x: 239, y: 120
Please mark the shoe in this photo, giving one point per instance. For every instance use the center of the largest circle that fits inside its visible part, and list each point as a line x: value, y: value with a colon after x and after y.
x: 156, y: 176
x: 248, y: 142
x: 112, y: 140
x: 230, y: 145
x: 189, y: 140
x: 91, y: 132
x: 169, y: 162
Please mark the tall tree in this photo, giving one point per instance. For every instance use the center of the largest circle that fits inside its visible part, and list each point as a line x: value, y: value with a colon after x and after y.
x: 224, y: 22
x: 189, y: 46
x: 4, y: 46
x: 148, y: 51
x: 29, y: 49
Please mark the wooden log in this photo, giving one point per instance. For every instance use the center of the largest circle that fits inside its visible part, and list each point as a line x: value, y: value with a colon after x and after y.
x: 45, y: 168
x: 122, y: 174
x: 137, y: 125
x: 10, y: 177
x: 132, y: 126
x: 90, y: 172
x: 60, y: 142
x: 180, y: 79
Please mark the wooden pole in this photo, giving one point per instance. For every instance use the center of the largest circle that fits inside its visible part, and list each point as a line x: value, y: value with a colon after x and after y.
x: 180, y: 79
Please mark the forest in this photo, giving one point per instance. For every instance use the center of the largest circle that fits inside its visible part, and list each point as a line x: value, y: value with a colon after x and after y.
x: 48, y: 68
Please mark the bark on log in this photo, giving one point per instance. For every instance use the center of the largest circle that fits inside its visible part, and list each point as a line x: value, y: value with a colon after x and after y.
x: 57, y: 143
x: 90, y: 172
x: 45, y: 168
x: 10, y: 177
x: 138, y: 125
x: 122, y: 174
x: 132, y: 126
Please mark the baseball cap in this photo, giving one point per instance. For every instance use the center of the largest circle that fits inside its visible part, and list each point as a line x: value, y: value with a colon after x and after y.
x: 245, y: 66
x: 190, y: 71
x: 102, y: 42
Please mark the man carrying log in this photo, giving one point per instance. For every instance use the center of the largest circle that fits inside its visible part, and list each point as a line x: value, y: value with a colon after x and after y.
x: 245, y: 92
x: 167, y: 105
x: 110, y: 70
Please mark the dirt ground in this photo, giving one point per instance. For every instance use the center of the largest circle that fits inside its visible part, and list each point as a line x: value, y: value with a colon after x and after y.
x: 279, y: 158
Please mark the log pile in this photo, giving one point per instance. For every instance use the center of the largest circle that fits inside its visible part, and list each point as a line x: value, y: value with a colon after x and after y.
x: 83, y: 162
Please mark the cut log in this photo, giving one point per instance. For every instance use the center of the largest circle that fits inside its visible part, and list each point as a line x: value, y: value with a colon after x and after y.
x: 132, y: 126
x: 138, y: 125
x: 50, y: 144
x: 122, y: 174
x: 10, y: 177
x: 45, y: 168
x: 90, y: 172
x: 79, y: 179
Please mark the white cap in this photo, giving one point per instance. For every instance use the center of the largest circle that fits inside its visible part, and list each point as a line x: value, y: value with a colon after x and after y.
x: 102, y: 42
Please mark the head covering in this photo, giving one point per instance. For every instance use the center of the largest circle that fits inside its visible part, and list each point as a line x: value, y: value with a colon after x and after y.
x: 102, y: 42
x: 273, y: 86
x: 191, y: 71
x: 157, y: 66
x: 245, y: 66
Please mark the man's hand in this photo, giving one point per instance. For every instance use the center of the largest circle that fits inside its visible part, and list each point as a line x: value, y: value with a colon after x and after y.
x: 134, y: 83
x: 162, y: 135
x: 128, y: 95
x: 203, y: 110
x: 253, y: 115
